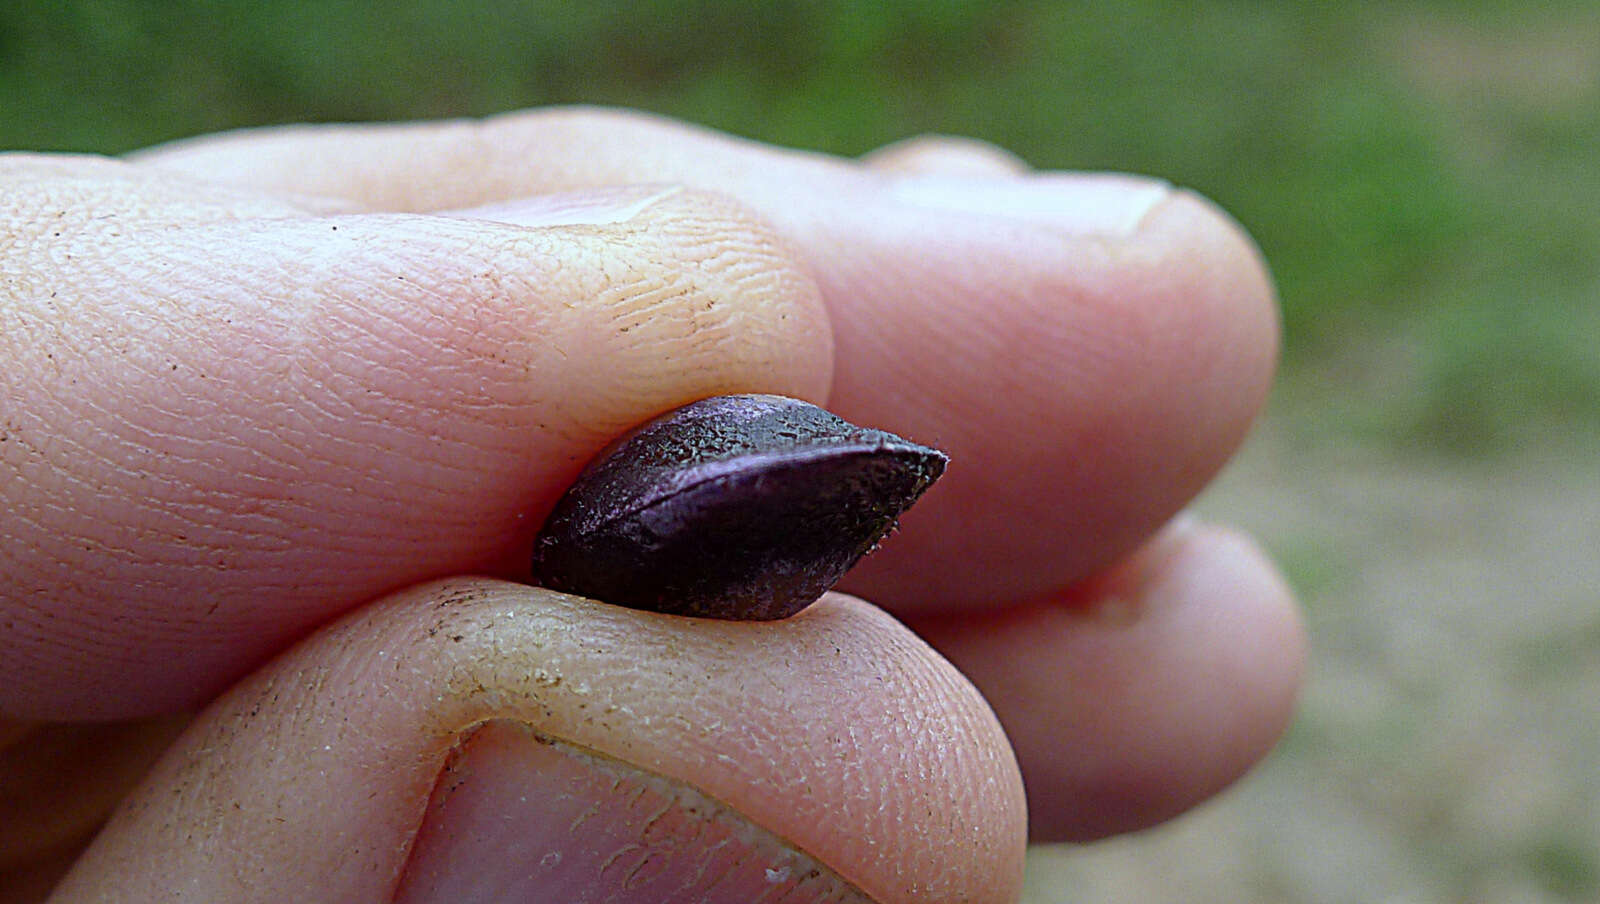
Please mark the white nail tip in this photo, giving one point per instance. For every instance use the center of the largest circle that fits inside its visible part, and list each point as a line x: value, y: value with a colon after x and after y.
x: 1089, y: 204
x: 590, y: 208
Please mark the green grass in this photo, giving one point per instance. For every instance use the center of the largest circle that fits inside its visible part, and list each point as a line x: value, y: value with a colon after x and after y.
x: 1565, y: 868
x: 1422, y: 176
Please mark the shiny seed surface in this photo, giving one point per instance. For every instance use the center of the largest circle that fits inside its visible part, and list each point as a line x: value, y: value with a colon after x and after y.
x: 733, y: 507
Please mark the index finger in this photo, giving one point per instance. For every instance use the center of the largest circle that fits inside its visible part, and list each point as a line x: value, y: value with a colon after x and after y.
x: 1089, y: 349
x: 223, y: 422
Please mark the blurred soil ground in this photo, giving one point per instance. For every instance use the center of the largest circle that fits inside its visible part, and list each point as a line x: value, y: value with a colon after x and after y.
x: 1448, y: 746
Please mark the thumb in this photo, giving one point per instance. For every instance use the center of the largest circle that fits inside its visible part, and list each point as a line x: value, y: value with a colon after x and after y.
x: 224, y: 421
x: 473, y: 740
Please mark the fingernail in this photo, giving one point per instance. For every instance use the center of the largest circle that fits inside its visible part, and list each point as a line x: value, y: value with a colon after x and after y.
x: 517, y: 816
x: 1087, y: 204
x: 596, y: 207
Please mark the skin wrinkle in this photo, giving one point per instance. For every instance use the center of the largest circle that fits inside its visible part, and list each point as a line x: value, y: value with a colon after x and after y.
x: 703, y: 326
x: 231, y: 459
x: 303, y: 400
x: 77, y: 196
x: 751, y: 782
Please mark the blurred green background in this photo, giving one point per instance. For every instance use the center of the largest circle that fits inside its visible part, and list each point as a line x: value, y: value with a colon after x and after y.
x: 1421, y: 175
x: 1424, y: 179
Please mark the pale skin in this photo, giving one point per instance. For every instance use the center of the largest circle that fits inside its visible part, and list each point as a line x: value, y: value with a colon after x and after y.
x: 283, y: 390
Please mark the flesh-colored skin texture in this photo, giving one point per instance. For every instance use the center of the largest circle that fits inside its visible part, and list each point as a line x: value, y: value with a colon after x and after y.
x: 1088, y: 348
x: 1058, y: 335
x: 257, y: 382
x: 228, y: 422
x: 836, y: 730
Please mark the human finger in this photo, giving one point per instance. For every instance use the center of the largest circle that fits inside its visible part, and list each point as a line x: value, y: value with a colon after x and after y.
x: 1089, y: 348
x: 57, y: 783
x: 475, y: 738
x: 1141, y: 692
x: 225, y: 420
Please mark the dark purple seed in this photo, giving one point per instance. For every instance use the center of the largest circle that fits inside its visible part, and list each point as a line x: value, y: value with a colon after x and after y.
x: 735, y: 507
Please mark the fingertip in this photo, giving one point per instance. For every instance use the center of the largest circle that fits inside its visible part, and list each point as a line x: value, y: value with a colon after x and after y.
x: 232, y: 428
x: 1085, y: 385
x: 1181, y: 667
x: 836, y: 732
x: 1225, y: 289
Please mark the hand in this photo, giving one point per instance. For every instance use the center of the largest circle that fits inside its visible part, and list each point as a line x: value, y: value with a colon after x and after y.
x: 260, y: 381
